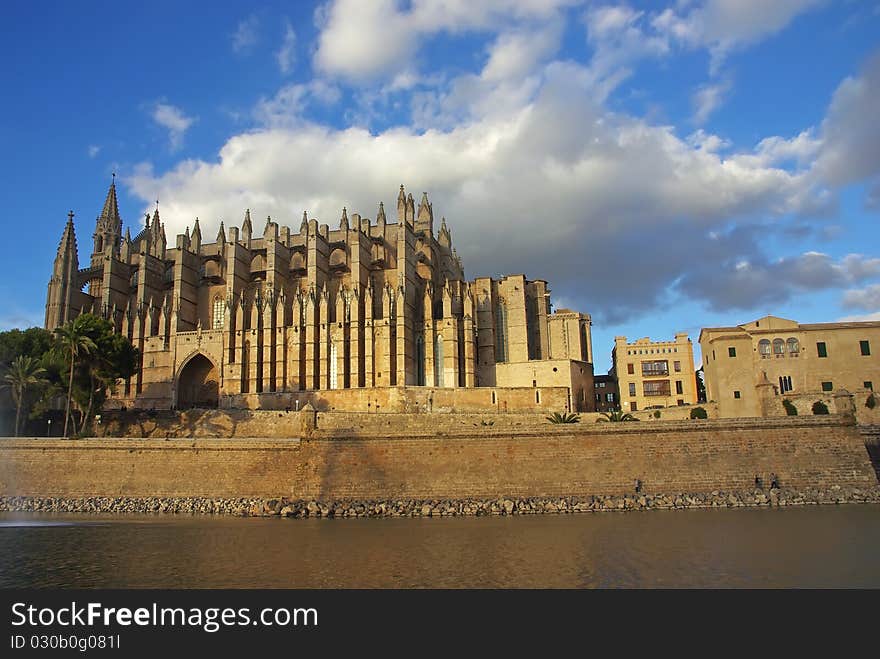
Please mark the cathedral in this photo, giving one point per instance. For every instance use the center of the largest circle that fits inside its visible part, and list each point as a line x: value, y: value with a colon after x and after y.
x: 374, y: 315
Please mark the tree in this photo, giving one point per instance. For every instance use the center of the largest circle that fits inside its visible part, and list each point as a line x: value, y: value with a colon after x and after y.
x: 24, y: 374
x: 701, y: 385
x: 699, y: 413
x: 75, y: 343
x: 615, y: 416
x: 98, y: 368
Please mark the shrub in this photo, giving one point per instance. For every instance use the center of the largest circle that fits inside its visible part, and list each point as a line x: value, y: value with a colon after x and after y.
x: 483, y: 422
x: 565, y: 417
x: 616, y: 416
x: 790, y: 409
x: 871, y: 403
x: 820, y: 408
x: 656, y: 414
x: 699, y: 413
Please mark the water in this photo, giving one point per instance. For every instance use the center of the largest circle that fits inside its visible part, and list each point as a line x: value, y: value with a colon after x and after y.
x: 814, y: 546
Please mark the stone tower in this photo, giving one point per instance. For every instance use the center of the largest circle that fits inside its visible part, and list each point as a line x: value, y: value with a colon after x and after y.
x: 63, y: 284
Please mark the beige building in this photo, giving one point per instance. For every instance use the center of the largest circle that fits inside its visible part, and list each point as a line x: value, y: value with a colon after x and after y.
x: 795, y: 359
x: 251, y: 319
x: 654, y: 374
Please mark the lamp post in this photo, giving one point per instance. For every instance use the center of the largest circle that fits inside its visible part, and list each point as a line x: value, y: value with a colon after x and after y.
x: 49, y: 428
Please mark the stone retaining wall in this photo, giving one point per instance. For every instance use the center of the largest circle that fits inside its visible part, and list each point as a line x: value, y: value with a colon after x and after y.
x: 517, y: 463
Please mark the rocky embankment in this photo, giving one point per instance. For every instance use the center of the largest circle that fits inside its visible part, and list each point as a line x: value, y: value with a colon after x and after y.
x: 282, y: 507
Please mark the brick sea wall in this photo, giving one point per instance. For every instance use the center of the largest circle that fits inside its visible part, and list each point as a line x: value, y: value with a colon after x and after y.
x: 546, y: 461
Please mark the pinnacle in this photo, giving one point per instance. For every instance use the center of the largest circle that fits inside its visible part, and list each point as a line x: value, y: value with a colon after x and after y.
x: 111, y: 205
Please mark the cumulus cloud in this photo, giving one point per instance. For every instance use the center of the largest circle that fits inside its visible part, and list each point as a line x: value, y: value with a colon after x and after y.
x: 246, y: 35
x: 174, y: 121
x: 286, y: 55
x: 865, y: 299
x: 361, y: 41
x: 93, y: 150
x: 570, y: 186
x: 531, y: 168
x: 727, y: 282
x: 850, y: 137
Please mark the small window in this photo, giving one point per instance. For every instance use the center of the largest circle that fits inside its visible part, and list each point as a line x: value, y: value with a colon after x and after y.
x: 736, y: 394
x: 731, y: 352
x: 630, y: 369
x: 764, y: 346
x: 609, y: 398
x: 633, y: 406
x: 865, y: 347
x: 827, y: 386
x: 793, y: 346
x: 678, y: 387
x: 867, y: 384
x: 219, y: 313
x: 632, y: 388
x: 676, y: 366
x: 821, y: 350
x: 778, y: 346
x: 680, y: 402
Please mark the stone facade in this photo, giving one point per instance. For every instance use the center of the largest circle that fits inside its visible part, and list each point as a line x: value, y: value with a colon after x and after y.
x: 369, y: 305
x: 751, y: 368
x: 653, y: 374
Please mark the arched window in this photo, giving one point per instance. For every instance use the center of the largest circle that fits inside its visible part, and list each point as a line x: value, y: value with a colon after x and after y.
x: 764, y: 347
x: 501, y: 332
x: 793, y: 346
x: 438, y: 361
x: 218, y: 313
x: 334, y: 375
x: 778, y: 347
x: 420, y: 360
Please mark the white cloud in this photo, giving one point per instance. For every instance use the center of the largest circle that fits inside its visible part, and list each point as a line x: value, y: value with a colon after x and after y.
x: 93, y: 150
x: 361, y: 41
x: 174, y: 121
x: 286, y: 55
x: 723, y: 26
x: 707, y: 99
x: 850, y: 137
x: 867, y: 299
x: 246, y: 35
x: 287, y: 107
x: 569, y: 186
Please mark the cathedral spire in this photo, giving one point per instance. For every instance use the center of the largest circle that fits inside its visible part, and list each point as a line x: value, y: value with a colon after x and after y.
x: 196, y: 239
x: 304, y: 227
x: 67, y: 246
x: 108, y: 226
x: 111, y: 207
x: 221, y: 235
x: 401, y: 205
x: 63, y: 284
x: 343, y: 221
x: 380, y: 215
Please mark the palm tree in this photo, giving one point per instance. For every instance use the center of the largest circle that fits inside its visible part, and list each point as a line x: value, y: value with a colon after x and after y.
x: 75, y: 343
x: 615, y: 416
x: 565, y: 417
x: 24, y: 373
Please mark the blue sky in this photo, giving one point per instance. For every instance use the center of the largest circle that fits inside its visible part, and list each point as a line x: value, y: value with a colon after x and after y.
x: 664, y: 166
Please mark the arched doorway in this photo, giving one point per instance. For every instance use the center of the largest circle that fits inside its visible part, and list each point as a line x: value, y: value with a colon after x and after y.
x: 198, y: 384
